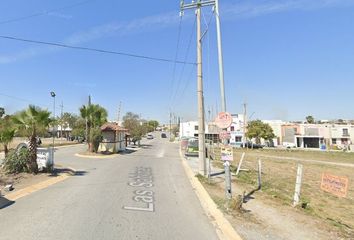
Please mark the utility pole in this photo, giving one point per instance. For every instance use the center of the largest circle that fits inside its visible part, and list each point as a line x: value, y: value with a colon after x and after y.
x: 170, y: 126
x: 201, y: 122
x: 198, y: 6
x: 220, y: 57
x: 118, y: 117
x: 244, y: 124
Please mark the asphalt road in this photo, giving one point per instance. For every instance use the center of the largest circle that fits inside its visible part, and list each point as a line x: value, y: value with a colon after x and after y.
x: 141, y: 195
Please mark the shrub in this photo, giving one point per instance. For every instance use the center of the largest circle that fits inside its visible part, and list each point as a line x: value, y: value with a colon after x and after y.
x: 17, y: 161
x: 95, y: 138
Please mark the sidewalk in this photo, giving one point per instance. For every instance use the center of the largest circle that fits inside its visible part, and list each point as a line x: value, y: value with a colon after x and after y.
x: 193, y: 163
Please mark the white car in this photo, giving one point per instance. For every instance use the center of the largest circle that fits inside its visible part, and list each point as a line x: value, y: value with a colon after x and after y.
x: 150, y: 136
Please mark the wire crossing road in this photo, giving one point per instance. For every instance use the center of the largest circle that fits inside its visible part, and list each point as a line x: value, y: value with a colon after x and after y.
x: 141, y: 195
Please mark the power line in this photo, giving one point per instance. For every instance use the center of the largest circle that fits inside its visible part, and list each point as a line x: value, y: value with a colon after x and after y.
x: 185, y: 58
x: 44, y: 12
x: 176, y: 55
x: 95, y: 50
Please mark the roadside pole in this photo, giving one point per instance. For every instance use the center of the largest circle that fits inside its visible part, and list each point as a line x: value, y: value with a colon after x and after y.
x: 53, y: 132
x: 222, y: 93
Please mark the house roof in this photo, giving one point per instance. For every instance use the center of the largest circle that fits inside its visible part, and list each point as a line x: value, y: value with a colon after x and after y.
x: 112, y: 127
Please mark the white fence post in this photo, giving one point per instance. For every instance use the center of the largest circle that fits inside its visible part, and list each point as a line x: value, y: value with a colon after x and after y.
x: 259, y: 174
x: 240, y: 163
x: 298, y: 185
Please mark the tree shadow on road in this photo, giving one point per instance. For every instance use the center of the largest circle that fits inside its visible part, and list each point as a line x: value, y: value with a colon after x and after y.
x: 59, y: 171
x: 128, y: 151
x: 4, y: 202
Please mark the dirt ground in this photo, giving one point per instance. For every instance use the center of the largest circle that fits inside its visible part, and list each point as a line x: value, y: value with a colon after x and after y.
x: 323, y: 211
x: 20, y: 180
x: 260, y: 219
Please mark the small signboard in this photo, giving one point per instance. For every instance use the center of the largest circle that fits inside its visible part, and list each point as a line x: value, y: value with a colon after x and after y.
x: 225, y: 135
x: 44, y: 157
x: 226, y: 153
x: 223, y: 120
x: 335, y: 184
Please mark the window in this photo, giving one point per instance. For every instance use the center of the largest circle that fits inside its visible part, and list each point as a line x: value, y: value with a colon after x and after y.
x: 232, y: 129
x: 238, y: 139
x: 345, y: 132
x: 334, y: 141
x: 196, y: 127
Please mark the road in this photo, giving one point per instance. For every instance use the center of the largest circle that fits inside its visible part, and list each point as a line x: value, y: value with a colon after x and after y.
x: 141, y: 195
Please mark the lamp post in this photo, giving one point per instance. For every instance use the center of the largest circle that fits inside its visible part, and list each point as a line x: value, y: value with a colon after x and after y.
x: 53, y: 132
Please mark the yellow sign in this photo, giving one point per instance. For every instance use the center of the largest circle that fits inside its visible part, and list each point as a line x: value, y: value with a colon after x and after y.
x: 226, y: 153
x: 335, y: 184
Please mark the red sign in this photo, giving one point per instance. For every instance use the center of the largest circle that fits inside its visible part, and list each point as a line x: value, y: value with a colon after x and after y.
x: 335, y: 184
x: 225, y: 135
x: 223, y: 120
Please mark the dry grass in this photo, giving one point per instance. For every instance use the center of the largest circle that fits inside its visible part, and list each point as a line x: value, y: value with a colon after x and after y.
x: 278, y: 182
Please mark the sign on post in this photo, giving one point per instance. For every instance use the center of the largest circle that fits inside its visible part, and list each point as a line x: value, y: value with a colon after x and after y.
x: 335, y: 184
x: 223, y: 120
x: 224, y: 135
x: 226, y: 153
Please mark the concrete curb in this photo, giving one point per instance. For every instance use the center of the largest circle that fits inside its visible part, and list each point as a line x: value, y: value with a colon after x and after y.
x: 223, y: 227
x: 38, y: 186
x: 92, y: 157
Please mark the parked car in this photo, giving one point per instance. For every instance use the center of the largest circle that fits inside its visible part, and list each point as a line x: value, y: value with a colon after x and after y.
x: 150, y: 136
x: 163, y: 135
x: 252, y: 145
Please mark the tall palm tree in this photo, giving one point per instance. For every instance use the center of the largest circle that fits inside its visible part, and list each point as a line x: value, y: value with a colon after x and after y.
x: 32, y: 121
x: 7, y: 133
x: 95, y: 116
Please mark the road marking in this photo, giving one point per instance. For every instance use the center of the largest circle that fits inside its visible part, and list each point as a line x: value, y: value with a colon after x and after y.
x: 34, y: 188
x: 142, y: 178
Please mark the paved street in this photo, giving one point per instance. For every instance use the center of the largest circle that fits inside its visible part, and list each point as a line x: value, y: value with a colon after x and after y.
x: 141, y: 195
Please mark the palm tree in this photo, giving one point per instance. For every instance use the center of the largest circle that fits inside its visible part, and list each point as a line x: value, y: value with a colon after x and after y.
x: 7, y: 133
x: 32, y: 121
x: 95, y: 116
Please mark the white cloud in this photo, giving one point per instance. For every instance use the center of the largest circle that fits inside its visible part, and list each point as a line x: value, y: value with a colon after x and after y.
x: 254, y: 8
x: 230, y: 11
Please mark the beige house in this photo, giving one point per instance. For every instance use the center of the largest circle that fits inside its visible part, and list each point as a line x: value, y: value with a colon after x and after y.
x: 114, y: 138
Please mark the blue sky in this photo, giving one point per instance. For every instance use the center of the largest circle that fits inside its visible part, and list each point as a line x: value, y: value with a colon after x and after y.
x: 287, y: 58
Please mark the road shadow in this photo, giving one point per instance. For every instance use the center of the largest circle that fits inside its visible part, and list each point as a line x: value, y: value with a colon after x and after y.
x: 128, y: 151
x: 4, y: 202
x: 59, y: 171
x: 146, y: 146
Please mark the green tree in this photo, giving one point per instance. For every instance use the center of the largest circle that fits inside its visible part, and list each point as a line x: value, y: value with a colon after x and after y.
x: 96, y: 116
x: 32, y: 121
x: 258, y: 130
x: 310, y: 119
x: 131, y: 121
x: 7, y: 133
x: 153, y: 124
x: 79, y: 127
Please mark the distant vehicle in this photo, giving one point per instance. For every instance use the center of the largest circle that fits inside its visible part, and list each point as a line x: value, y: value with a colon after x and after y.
x: 163, y: 135
x: 252, y: 145
x: 150, y: 136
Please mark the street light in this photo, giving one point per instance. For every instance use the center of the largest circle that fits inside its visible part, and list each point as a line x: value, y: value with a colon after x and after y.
x: 53, y: 96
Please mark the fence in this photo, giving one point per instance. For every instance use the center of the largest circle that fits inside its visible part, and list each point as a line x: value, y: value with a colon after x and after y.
x: 327, y: 189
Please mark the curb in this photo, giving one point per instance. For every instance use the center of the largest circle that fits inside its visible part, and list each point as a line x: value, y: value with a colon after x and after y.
x: 39, y: 186
x: 223, y: 227
x: 94, y: 157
